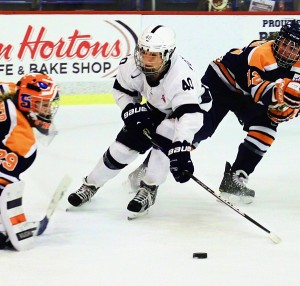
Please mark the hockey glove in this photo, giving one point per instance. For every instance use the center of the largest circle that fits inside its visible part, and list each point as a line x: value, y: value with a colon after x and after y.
x: 292, y: 94
x: 287, y: 92
x: 137, y: 117
x: 279, y: 115
x: 180, y: 161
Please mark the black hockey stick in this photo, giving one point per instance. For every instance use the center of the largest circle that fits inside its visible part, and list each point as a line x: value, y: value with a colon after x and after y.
x: 272, y: 236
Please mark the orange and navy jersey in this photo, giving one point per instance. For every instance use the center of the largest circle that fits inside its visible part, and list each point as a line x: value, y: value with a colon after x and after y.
x: 253, y: 71
x: 17, y: 140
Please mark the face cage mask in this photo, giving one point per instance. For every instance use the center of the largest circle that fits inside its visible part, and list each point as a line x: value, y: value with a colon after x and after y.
x: 286, y: 59
x: 148, y: 71
x: 40, y: 119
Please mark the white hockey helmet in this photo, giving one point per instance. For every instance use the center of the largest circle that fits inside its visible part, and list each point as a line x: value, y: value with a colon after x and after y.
x: 158, y: 39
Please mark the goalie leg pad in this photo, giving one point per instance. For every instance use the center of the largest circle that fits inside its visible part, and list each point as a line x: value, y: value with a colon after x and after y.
x: 19, y: 231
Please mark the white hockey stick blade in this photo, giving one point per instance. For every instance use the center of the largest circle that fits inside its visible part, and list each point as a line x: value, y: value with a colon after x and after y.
x: 57, y: 196
x: 276, y: 239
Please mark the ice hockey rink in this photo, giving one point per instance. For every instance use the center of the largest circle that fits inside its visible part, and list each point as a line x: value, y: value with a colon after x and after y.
x: 96, y: 244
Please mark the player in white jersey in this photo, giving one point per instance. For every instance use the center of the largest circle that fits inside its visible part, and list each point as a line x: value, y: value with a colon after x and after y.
x: 172, y: 115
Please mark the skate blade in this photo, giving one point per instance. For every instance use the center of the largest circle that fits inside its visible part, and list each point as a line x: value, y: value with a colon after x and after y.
x: 71, y: 208
x: 134, y: 215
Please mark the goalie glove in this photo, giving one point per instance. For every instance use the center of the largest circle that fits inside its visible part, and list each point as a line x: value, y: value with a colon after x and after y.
x: 138, y: 117
x: 180, y: 161
x: 282, y: 114
x: 286, y: 92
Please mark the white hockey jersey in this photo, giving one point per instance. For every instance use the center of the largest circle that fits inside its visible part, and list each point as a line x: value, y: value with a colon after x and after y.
x: 179, y: 91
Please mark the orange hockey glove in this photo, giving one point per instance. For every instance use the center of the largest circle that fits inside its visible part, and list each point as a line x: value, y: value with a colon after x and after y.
x: 287, y: 92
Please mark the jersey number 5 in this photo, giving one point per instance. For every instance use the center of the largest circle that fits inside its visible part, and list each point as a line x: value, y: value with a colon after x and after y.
x: 187, y: 84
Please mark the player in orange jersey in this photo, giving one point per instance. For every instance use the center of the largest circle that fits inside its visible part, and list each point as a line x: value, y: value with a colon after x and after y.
x: 31, y: 103
x: 261, y: 85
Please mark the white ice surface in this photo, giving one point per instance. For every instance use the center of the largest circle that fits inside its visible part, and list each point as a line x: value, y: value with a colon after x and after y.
x: 96, y: 244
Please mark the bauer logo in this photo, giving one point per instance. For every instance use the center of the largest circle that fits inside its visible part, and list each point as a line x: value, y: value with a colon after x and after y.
x: 179, y: 149
x: 134, y: 111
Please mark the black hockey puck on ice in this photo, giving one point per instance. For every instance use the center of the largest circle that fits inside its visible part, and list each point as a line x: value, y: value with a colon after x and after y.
x: 200, y: 255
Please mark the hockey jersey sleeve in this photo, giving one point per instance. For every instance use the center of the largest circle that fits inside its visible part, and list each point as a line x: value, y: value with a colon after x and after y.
x: 188, y: 115
x: 126, y: 87
x: 260, y: 61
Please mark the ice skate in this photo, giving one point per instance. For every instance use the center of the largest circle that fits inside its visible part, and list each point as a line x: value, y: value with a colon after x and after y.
x: 83, y: 194
x: 132, y: 184
x: 233, y: 186
x: 142, y: 201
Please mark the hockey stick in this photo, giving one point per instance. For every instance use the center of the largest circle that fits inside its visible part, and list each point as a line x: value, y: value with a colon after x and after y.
x: 40, y: 226
x: 272, y: 236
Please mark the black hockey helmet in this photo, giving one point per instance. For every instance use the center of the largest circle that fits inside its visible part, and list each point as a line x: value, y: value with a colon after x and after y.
x: 291, y: 31
x: 287, y: 44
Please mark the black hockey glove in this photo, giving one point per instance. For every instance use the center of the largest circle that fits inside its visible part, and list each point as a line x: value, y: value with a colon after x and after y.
x: 180, y: 160
x: 137, y: 117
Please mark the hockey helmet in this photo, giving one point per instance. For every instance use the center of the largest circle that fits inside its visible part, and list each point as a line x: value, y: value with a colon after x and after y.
x: 286, y: 46
x: 37, y: 96
x: 156, y: 39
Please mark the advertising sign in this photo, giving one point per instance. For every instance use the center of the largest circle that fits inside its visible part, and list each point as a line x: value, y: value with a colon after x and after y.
x: 88, y: 48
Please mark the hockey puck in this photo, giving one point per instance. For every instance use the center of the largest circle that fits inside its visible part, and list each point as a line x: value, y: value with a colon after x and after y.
x: 200, y: 255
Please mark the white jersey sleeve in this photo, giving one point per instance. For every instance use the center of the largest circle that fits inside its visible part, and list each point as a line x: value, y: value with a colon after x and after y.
x: 127, y: 85
x: 183, y: 86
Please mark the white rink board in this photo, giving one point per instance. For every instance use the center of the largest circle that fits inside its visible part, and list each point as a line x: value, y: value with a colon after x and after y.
x: 83, y: 55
